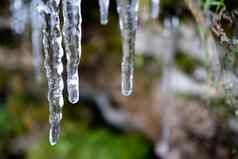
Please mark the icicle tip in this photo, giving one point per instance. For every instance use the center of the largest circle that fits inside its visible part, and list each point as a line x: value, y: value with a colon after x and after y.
x: 126, y: 93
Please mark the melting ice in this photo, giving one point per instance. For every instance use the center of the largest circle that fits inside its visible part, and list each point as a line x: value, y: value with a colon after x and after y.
x: 128, y: 19
x: 52, y: 42
x: 72, y: 40
x: 104, y: 8
x: 46, y: 24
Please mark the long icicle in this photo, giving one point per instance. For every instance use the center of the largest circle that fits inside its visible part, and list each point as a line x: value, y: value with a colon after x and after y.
x: 128, y: 19
x: 52, y: 42
x: 104, y: 9
x: 72, y: 40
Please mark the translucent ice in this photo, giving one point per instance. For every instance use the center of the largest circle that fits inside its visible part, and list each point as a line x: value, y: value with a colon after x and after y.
x: 104, y: 7
x: 52, y: 42
x: 128, y: 19
x: 72, y: 40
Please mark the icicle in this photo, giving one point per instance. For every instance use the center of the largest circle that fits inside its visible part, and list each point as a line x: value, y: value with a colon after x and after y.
x: 128, y: 15
x: 36, y: 24
x: 155, y: 8
x: 52, y: 40
x: 104, y: 8
x: 19, y: 16
x: 72, y: 41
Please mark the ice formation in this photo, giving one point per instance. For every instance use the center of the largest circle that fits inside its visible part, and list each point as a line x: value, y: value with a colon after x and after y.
x: 128, y: 19
x: 52, y: 42
x: 104, y: 8
x: 72, y: 40
x: 46, y: 23
x: 46, y: 20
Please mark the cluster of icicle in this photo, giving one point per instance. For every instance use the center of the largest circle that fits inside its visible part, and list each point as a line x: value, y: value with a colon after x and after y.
x: 70, y: 36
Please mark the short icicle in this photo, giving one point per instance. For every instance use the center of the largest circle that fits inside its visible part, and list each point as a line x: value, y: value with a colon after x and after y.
x: 128, y: 19
x: 154, y: 8
x: 72, y: 40
x: 104, y: 9
x: 52, y: 42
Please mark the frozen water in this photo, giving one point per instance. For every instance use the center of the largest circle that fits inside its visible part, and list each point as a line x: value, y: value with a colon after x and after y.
x: 72, y: 40
x: 128, y: 19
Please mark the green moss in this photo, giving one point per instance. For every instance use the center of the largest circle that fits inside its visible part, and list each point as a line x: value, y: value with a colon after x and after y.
x: 186, y: 63
x: 4, y: 122
x: 82, y: 143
